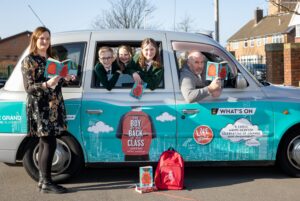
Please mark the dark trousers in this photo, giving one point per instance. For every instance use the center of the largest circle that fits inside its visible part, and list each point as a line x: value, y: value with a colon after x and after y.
x: 47, y: 146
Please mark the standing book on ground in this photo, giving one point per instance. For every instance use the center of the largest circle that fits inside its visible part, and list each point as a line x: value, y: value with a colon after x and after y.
x: 146, y: 176
x: 62, y: 68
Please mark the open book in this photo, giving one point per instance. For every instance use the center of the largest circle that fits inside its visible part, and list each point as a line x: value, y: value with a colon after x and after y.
x: 214, y: 69
x: 62, y: 68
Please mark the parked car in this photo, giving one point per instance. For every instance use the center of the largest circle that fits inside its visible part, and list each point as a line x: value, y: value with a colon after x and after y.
x: 248, y: 124
x: 258, y: 70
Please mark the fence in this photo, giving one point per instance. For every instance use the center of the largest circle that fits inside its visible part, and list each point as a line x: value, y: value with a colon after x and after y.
x: 257, y: 67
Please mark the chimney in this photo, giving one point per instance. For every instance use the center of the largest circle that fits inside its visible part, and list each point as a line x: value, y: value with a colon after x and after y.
x: 258, y: 15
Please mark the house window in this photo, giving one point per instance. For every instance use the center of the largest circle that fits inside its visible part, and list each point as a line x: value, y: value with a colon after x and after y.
x: 251, y: 41
x: 235, y: 45
x: 258, y: 41
x: 277, y: 38
x: 265, y: 40
x: 245, y: 43
x: 298, y: 30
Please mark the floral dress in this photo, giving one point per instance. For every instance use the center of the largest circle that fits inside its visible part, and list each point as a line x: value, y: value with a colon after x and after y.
x: 46, y: 114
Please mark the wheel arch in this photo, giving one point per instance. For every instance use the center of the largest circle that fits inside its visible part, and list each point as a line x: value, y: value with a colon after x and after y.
x: 294, y: 127
x: 29, y: 140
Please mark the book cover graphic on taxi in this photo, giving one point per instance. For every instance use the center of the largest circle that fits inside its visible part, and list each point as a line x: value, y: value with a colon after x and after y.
x: 214, y: 69
x: 63, y: 68
x: 138, y: 90
x: 146, y: 176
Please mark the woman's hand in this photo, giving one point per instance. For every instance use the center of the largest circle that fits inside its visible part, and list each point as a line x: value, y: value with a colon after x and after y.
x: 70, y: 78
x: 52, y: 83
x: 136, y: 77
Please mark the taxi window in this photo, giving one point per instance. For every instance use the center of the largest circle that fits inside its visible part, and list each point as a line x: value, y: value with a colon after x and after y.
x: 125, y: 81
x: 75, y: 52
x: 212, y: 54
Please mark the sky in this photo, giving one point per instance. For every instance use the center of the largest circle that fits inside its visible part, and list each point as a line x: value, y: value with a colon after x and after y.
x: 16, y: 16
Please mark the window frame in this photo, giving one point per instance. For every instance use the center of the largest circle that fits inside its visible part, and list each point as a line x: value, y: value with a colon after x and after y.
x: 82, y: 59
x: 136, y: 44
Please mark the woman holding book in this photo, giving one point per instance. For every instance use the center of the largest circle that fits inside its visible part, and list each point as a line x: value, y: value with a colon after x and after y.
x: 46, y: 114
x: 149, y: 64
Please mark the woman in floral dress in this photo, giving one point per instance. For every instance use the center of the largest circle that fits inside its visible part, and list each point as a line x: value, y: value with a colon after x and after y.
x: 46, y: 115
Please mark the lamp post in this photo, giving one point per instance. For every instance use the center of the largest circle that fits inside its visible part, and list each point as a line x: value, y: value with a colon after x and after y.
x: 145, y: 15
x: 217, y: 20
x: 174, y: 20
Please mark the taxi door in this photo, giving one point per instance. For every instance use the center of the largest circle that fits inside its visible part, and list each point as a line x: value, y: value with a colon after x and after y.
x: 117, y: 127
x: 238, y: 125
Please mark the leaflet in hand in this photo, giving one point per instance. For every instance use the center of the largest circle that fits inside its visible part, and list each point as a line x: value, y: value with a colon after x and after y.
x: 214, y: 69
x: 61, y: 68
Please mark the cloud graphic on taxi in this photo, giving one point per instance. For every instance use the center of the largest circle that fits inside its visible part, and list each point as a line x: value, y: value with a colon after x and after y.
x: 165, y: 117
x: 242, y: 130
x: 100, y: 127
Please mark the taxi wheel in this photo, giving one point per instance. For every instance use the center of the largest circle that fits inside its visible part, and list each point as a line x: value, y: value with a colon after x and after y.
x: 67, y: 160
x: 288, y: 156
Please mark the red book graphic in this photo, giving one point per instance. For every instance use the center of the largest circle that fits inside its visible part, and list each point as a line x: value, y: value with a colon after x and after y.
x: 214, y: 69
x: 146, y: 176
x: 137, y: 90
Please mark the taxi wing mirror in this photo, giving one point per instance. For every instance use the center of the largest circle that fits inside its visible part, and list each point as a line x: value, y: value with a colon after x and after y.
x: 241, y: 82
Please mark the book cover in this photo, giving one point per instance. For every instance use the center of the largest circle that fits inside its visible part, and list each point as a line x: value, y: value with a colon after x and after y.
x: 214, y: 69
x: 62, y: 68
x: 138, y: 90
x: 146, y: 176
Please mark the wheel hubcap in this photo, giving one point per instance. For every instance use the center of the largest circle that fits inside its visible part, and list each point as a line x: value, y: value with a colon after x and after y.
x: 61, y: 159
x: 294, y: 152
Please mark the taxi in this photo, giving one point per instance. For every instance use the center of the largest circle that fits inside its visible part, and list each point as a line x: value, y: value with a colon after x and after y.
x: 250, y: 123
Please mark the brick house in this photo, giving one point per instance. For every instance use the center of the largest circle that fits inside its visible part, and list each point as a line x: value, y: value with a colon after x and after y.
x: 273, y: 41
x: 11, y: 49
x: 248, y: 44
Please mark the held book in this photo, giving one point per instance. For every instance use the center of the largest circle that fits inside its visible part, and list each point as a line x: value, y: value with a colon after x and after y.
x: 138, y: 90
x: 214, y: 69
x: 62, y: 68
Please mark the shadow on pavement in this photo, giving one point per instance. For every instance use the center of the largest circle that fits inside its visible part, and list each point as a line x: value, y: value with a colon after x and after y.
x: 195, y: 177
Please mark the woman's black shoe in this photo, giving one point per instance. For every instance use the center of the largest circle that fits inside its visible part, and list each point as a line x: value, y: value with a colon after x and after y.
x: 50, y: 187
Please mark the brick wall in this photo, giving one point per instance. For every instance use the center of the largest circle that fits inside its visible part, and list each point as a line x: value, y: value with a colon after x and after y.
x: 275, y: 63
x: 11, y: 49
x: 292, y: 64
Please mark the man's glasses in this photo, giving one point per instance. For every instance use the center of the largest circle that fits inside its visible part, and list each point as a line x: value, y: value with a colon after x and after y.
x: 105, y: 58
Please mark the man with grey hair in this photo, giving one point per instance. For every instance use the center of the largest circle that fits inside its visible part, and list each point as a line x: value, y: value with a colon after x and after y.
x: 192, y: 79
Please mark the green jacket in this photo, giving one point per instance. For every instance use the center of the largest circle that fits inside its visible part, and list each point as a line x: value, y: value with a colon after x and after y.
x: 131, y: 67
x: 103, y: 78
x: 152, y: 77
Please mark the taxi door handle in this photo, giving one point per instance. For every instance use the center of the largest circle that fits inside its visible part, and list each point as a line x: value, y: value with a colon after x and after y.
x: 190, y: 111
x: 94, y: 111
